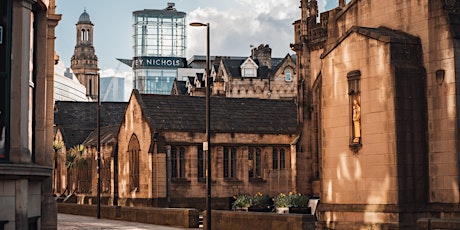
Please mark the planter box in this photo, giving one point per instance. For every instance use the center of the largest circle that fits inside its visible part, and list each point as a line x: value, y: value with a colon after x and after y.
x: 282, y: 210
x: 303, y: 210
x: 241, y: 209
x: 258, y: 209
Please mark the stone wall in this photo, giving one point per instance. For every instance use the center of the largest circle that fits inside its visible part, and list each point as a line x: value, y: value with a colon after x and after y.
x: 231, y: 220
x: 187, y: 218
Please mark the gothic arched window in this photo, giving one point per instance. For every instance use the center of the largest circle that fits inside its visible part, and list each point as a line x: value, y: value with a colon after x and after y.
x: 133, y: 154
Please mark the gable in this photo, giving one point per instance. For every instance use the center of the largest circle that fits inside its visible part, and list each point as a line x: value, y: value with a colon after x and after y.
x: 249, y: 68
x: 381, y: 34
x: 286, y: 67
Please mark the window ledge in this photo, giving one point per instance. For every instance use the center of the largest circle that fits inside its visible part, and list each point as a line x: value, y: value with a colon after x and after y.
x: 234, y: 180
x: 257, y: 180
x: 180, y: 180
x: 203, y: 180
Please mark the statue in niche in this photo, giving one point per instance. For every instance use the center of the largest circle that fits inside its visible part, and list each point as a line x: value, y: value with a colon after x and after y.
x: 356, y: 121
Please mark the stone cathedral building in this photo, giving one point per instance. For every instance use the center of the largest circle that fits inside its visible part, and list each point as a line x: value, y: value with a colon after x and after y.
x: 84, y: 60
x: 381, y: 112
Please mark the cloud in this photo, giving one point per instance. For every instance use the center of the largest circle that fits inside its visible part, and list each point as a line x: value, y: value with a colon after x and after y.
x: 249, y: 22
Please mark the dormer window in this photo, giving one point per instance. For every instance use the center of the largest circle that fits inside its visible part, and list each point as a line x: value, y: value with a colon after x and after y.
x: 288, y: 76
x: 249, y: 68
x: 249, y: 72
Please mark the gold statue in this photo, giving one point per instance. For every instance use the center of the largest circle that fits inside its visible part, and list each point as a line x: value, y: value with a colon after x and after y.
x: 356, y: 121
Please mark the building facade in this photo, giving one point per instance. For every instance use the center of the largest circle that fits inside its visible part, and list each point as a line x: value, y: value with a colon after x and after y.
x: 26, y: 114
x: 378, y: 94
x: 66, y: 86
x: 257, y: 76
x: 159, y: 48
x: 161, y: 157
x: 84, y: 62
x: 152, y: 151
x: 112, y: 89
x: 75, y: 147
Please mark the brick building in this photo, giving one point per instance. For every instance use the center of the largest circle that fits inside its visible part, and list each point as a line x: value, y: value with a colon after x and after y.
x: 379, y: 97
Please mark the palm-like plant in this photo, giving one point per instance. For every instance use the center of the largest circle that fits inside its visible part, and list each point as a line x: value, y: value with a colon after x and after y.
x: 74, y: 160
x: 57, y: 147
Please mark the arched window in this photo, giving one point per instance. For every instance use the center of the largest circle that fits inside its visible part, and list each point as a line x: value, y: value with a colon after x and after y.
x: 133, y: 154
x: 288, y: 75
x: 82, y: 35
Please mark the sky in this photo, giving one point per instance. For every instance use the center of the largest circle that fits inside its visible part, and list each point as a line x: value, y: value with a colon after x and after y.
x: 235, y: 25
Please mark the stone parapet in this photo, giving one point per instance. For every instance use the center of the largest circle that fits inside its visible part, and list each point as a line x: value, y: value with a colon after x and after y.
x: 231, y: 220
x: 184, y: 217
x: 435, y: 223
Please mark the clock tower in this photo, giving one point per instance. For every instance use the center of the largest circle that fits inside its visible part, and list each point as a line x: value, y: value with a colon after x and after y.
x: 84, y: 60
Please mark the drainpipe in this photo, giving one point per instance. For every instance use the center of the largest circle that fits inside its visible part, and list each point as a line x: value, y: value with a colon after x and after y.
x: 168, y: 177
x: 155, y: 173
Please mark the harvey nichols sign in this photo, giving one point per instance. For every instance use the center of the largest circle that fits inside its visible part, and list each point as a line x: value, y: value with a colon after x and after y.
x: 165, y: 62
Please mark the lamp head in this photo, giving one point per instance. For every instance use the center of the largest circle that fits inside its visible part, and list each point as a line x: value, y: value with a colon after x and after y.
x: 197, y: 24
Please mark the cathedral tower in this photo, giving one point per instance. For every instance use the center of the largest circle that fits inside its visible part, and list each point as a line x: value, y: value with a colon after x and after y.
x: 84, y: 60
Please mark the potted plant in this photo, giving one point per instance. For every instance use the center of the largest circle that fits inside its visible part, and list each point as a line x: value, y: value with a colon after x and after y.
x: 292, y: 203
x: 260, y: 203
x: 282, y: 203
x: 300, y: 204
x: 242, y: 202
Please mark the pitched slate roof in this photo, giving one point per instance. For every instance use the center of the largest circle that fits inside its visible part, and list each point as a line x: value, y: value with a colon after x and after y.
x: 77, y: 120
x: 285, y: 59
x: 179, y: 87
x: 231, y: 115
x: 108, y: 136
x: 233, y: 67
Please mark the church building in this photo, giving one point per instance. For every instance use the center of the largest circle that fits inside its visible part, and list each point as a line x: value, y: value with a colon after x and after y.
x: 160, y: 149
x: 380, y: 98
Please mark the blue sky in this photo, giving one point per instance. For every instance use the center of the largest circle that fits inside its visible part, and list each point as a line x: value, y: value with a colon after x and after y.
x: 235, y: 25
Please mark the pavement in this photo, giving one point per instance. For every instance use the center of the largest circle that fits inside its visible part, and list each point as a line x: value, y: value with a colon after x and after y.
x: 74, y: 222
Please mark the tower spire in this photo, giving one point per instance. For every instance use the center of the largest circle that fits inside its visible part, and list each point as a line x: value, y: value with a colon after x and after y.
x: 313, y: 8
x: 84, y: 62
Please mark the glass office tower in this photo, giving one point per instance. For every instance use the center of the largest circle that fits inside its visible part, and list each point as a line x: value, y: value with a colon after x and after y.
x: 159, y: 49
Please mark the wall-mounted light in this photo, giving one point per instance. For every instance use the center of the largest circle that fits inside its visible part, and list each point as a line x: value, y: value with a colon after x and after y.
x: 440, y: 73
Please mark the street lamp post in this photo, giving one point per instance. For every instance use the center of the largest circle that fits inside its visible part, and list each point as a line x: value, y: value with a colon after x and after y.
x: 98, y: 146
x: 207, y: 144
